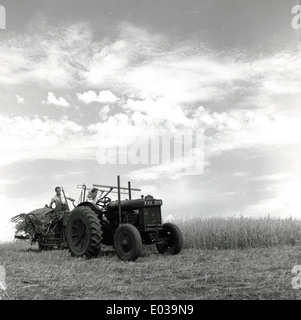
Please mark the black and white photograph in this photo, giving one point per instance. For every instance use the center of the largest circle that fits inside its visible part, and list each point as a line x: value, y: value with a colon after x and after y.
x: 150, y: 152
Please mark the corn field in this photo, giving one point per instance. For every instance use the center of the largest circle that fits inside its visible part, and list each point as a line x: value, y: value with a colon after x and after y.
x: 239, y: 233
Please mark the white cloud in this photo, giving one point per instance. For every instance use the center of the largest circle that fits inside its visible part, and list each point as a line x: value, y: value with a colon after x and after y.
x: 104, y: 96
x: 53, y: 100
x: 158, y: 110
x: 103, y: 113
x: 24, y: 139
x: 20, y: 100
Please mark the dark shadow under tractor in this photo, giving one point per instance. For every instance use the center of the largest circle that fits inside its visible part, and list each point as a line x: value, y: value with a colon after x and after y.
x: 124, y: 224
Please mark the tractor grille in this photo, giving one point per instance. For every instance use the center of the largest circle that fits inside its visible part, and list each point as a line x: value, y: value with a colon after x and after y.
x: 152, y: 217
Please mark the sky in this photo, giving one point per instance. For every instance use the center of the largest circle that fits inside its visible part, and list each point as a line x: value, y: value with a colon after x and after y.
x: 79, y: 76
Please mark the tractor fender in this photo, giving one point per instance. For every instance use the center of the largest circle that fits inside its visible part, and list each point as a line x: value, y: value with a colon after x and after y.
x: 92, y: 206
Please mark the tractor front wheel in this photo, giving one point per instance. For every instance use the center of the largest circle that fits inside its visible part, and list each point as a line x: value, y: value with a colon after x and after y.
x: 127, y: 242
x: 173, y: 239
x: 83, y: 233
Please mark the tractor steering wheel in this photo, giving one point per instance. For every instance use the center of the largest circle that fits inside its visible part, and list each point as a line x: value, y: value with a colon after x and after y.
x: 103, y: 201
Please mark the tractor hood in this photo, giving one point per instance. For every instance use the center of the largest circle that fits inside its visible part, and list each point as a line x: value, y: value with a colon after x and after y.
x: 134, y: 204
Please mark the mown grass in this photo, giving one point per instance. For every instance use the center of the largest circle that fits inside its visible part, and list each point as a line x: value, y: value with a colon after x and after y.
x: 240, y: 233
x: 261, y: 271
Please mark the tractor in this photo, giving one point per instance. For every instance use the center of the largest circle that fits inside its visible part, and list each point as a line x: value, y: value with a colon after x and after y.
x: 124, y: 224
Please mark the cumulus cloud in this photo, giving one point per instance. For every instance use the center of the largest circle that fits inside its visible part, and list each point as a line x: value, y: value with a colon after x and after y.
x: 25, y: 139
x: 53, y: 100
x: 104, y: 96
x: 159, y: 110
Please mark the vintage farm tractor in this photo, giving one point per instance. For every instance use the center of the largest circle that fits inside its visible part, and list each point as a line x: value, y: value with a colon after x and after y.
x: 123, y: 224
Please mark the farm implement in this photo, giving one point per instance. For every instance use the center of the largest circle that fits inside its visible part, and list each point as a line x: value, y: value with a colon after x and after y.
x: 44, y: 226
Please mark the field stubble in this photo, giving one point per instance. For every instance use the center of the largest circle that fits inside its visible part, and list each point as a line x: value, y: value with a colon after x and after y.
x: 238, y: 267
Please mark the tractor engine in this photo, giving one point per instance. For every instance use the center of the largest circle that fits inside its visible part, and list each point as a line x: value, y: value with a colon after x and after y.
x: 144, y: 213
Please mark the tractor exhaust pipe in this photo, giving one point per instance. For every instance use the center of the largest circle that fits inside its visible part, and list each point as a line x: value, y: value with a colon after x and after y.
x: 119, y: 203
x: 130, y: 191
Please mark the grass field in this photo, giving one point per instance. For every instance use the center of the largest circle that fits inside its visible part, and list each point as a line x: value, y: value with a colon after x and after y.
x: 262, y: 272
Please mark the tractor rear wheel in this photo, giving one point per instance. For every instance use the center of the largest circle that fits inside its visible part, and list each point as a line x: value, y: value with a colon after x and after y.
x: 127, y: 242
x: 173, y: 239
x: 83, y: 233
